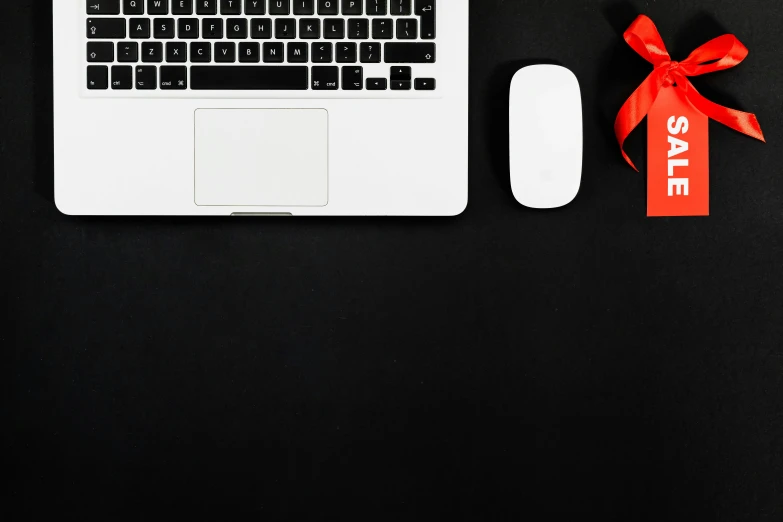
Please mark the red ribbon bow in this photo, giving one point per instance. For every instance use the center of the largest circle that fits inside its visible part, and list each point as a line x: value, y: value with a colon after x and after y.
x: 721, y: 53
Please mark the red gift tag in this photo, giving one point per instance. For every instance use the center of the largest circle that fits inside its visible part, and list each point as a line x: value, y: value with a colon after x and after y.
x: 678, y: 157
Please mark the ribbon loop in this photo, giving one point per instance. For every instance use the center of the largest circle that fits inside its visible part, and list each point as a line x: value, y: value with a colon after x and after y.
x: 723, y: 52
x: 644, y: 38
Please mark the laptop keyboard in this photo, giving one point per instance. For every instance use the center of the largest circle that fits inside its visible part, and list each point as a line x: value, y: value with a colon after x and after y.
x: 261, y: 45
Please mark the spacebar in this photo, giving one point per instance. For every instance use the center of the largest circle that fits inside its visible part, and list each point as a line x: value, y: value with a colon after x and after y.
x: 248, y: 78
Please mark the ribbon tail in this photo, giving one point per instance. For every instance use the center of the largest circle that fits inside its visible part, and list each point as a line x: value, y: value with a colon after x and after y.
x: 743, y: 122
x: 636, y: 108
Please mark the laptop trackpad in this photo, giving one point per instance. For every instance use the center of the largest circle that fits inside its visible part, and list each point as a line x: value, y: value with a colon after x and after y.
x: 261, y: 157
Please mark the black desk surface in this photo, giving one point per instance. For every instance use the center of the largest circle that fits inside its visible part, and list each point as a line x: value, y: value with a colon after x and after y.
x: 505, y: 362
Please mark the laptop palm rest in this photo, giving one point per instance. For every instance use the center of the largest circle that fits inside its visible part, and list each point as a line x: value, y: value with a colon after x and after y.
x: 261, y: 157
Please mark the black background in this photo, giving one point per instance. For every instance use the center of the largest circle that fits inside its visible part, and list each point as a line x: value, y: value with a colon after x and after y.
x: 584, y: 361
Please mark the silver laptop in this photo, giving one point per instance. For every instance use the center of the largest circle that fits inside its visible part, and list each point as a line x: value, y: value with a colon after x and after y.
x: 261, y: 107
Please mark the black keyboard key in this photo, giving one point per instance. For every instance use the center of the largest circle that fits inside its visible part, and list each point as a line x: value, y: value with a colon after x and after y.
x: 400, y: 78
x: 325, y: 78
x: 334, y: 28
x: 297, y: 52
x: 322, y: 52
x: 121, y: 77
x: 97, y: 77
x: 146, y: 77
x: 352, y: 7
x: 400, y: 73
x: 424, y: 6
x: 182, y: 7
x: 187, y: 28
x: 426, y: 10
x: 273, y: 52
x: 236, y: 28
x: 128, y: 52
x: 382, y: 29
x: 407, y: 29
x: 99, y: 28
x: 304, y: 7
x: 133, y: 7
x: 255, y: 7
x: 353, y: 78
x: 249, y: 52
x: 163, y: 28
x: 100, y: 52
x: 261, y: 28
x: 424, y: 84
x: 346, y: 52
x: 176, y: 52
x: 230, y: 7
x: 409, y: 52
x: 158, y: 7
x: 399, y: 85
x: 225, y: 52
x: 376, y: 7
x: 103, y: 7
x: 279, y: 7
x: 370, y: 52
x: 152, y: 52
x: 285, y: 28
x: 249, y: 78
x: 358, y: 29
x: 309, y: 28
x: 139, y: 28
x: 400, y: 7
x: 376, y: 84
x: 200, y: 52
x: 174, y: 77
x: 206, y: 7
x: 328, y: 7
x: 212, y: 28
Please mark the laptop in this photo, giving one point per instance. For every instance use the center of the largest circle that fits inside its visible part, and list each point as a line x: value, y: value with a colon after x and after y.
x: 261, y: 107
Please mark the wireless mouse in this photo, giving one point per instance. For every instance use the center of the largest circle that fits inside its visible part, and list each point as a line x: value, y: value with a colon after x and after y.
x: 545, y: 136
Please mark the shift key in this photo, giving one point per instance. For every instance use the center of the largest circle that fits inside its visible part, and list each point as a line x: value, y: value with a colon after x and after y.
x: 113, y: 28
x: 406, y: 52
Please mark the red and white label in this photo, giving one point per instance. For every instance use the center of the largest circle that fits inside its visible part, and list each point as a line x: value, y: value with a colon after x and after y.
x: 678, y: 157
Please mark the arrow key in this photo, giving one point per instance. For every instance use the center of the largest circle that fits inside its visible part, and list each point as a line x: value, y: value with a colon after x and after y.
x: 424, y: 84
x: 376, y: 84
x: 400, y: 72
x: 400, y: 85
x: 100, y: 52
x: 353, y: 78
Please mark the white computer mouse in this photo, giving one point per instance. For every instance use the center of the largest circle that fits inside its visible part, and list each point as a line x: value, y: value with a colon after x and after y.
x: 545, y: 136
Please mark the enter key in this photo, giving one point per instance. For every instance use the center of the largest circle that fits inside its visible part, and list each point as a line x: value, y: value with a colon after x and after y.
x: 426, y: 10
